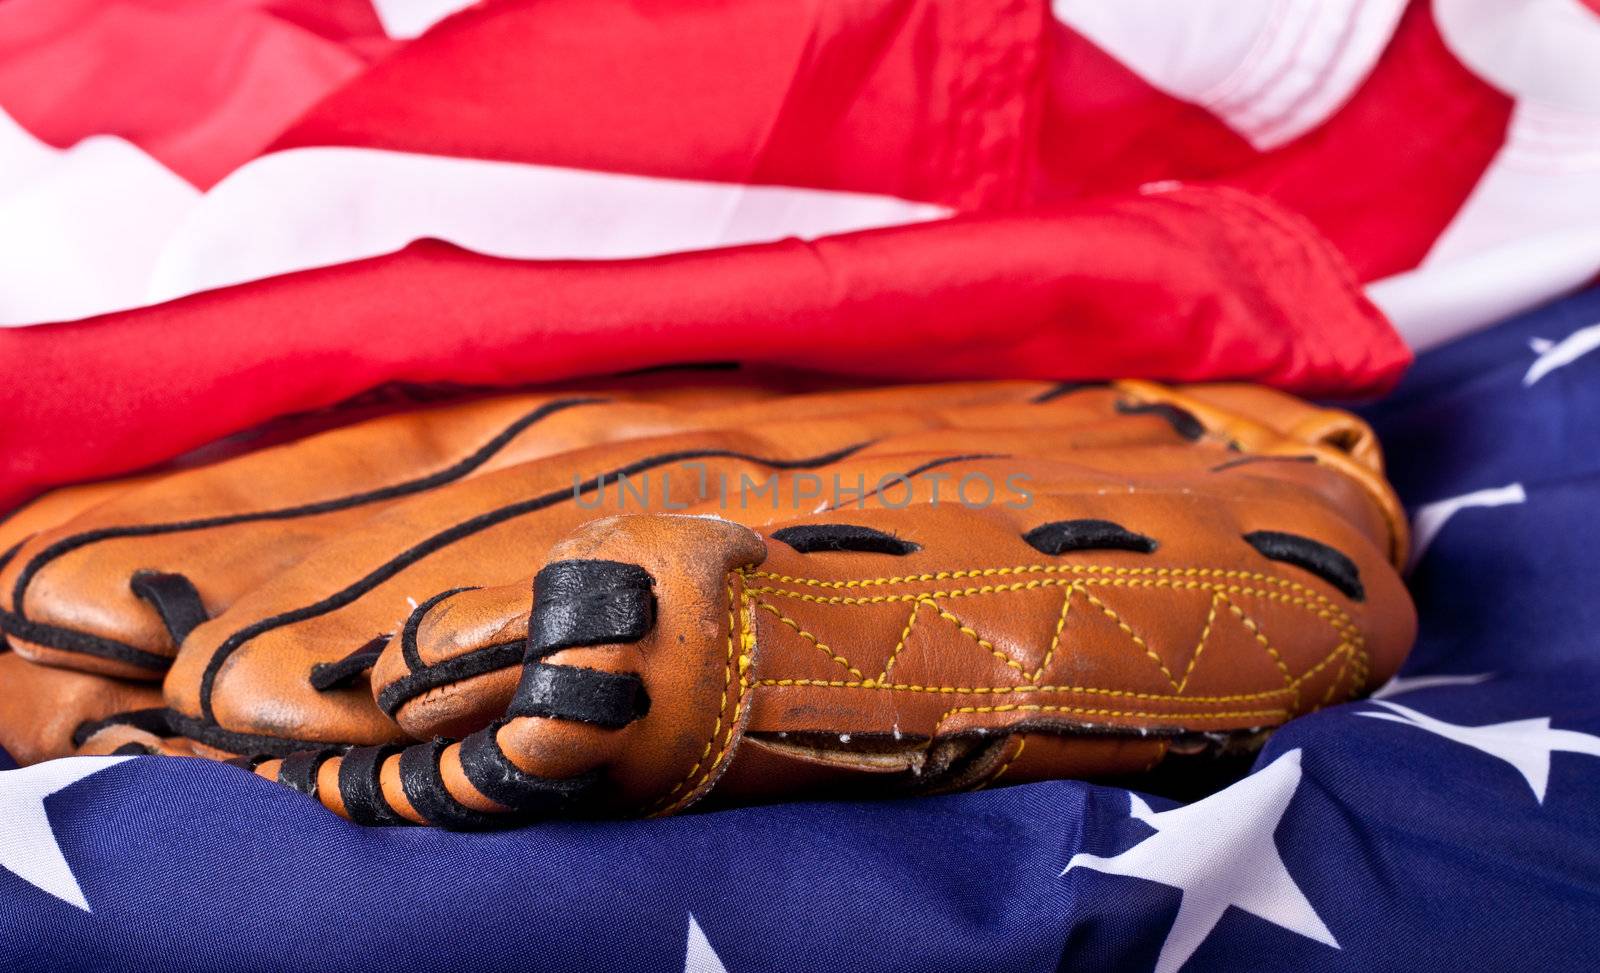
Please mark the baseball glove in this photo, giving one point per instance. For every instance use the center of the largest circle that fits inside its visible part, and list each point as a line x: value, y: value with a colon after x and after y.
x: 627, y: 600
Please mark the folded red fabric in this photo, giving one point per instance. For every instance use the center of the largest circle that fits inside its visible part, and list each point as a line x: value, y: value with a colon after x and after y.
x: 1188, y: 285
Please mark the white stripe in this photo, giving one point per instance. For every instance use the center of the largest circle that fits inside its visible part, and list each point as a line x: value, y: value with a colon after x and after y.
x: 404, y: 19
x: 107, y: 228
x: 1430, y: 518
x: 80, y: 228
x: 1305, y: 70
x: 1545, y: 51
x: 1435, y: 304
x: 1526, y: 233
x: 320, y: 206
x: 1272, y: 70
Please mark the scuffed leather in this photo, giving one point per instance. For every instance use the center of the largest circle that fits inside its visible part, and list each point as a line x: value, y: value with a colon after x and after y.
x: 765, y: 672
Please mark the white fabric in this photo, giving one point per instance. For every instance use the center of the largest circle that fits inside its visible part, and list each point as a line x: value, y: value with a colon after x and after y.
x: 1222, y: 853
x: 1400, y: 685
x: 1524, y: 744
x: 28, y: 845
x: 1430, y: 518
x: 699, y: 957
x: 1546, y: 51
x: 404, y: 19
x: 104, y: 227
x: 1554, y: 355
x: 1527, y: 233
x: 1272, y: 70
x: 316, y: 207
x: 80, y: 228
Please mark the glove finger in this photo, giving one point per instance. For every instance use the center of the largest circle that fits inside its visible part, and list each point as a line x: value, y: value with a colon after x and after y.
x: 454, y: 665
x: 581, y: 704
x: 121, y: 585
x: 915, y: 650
x: 119, y: 739
x: 47, y: 712
x: 452, y: 668
x: 118, y: 588
x: 482, y: 532
x: 1193, y: 467
x: 41, y: 515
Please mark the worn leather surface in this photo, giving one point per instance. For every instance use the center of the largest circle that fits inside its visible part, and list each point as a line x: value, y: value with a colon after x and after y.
x: 41, y: 707
x: 947, y: 645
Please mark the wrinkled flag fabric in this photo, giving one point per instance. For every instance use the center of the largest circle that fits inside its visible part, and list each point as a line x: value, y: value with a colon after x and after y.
x: 1449, y: 822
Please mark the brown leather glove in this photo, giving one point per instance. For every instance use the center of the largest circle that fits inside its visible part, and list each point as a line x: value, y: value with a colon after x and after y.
x: 1109, y: 574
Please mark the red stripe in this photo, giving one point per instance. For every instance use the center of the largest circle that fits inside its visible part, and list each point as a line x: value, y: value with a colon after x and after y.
x: 201, y: 85
x: 1191, y: 285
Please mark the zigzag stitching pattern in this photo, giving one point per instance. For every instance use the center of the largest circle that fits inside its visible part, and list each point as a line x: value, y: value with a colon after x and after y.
x: 1350, y: 646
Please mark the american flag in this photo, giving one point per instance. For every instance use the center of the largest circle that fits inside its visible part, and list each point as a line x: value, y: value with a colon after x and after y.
x: 216, y: 213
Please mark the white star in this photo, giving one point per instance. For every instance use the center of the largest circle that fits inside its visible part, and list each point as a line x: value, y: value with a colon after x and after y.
x: 1400, y: 685
x: 27, y: 842
x: 1220, y: 852
x: 699, y: 957
x: 1557, y: 354
x: 1524, y: 744
x: 1430, y: 518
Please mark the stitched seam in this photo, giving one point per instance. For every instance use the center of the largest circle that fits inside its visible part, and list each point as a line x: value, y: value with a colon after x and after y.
x: 1080, y: 711
x: 1352, y: 639
x: 821, y: 646
x: 1042, y: 569
x: 1205, y: 633
x: 1135, y: 636
x: 1002, y: 690
x: 1345, y: 649
x: 1333, y: 687
x: 1055, y: 640
x: 1334, y: 616
x: 974, y: 636
x: 722, y: 706
x: 1250, y: 624
x: 1358, y: 682
x: 905, y: 633
x: 989, y: 781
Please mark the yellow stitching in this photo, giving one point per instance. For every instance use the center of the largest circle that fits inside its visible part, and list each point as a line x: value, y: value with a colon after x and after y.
x: 660, y: 807
x: 1205, y: 633
x: 1022, y: 742
x: 1046, y: 569
x: 1001, y: 690
x: 1025, y: 569
x: 974, y: 636
x: 1354, y: 649
x: 1138, y: 640
x: 905, y: 633
x: 836, y: 657
x: 1336, y: 618
x: 1055, y: 641
x: 1358, y: 681
x: 1342, y: 649
x: 1078, y: 711
x: 1250, y: 623
x: 1333, y: 686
